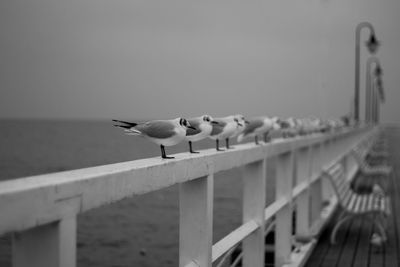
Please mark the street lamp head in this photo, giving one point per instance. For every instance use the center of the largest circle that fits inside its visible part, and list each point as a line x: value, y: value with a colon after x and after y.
x: 372, y: 44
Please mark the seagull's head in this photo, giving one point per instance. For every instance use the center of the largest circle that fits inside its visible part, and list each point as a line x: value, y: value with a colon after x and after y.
x: 185, y: 124
x: 276, y: 123
x: 284, y: 124
x: 208, y: 119
x: 239, y: 119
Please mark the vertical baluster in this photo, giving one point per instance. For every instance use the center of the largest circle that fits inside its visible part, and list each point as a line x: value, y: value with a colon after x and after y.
x: 316, y: 187
x: 50, y: 245
x: 303, y: 200
x: 196, y: 218
x: 283, y: 228
x: 254, y: 178
x: 327, y: 152
x: 271, y: 180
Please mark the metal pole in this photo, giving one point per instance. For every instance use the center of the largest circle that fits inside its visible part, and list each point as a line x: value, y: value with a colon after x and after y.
x: 357, y: 68
x: 378, y: 103
x: 373, y: 91
x: 368, y: 99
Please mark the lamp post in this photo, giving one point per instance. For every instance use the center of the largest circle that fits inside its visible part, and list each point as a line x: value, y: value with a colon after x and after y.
x: 379, y: 97
x: 368, y: 86
x: 372, y: 45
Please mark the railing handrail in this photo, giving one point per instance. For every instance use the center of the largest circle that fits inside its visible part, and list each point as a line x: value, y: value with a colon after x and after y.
x: 144, y: 175
x: 38, y: 200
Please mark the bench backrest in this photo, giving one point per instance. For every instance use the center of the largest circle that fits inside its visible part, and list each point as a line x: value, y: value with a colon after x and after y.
x: 340, y: 184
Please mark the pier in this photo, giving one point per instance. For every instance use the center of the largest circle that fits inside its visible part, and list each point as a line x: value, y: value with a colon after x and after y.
x: 41, y: 211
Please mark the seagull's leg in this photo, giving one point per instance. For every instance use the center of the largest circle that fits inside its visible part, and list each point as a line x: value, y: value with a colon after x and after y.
x: 256, y: 140
x: 227, y: 143
x: 217, y: 145
x: 163, y: 155
x: 191, y: 149
x: 266, y: 138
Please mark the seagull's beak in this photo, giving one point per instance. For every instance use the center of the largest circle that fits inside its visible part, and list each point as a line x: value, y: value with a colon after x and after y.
x: 214, y: 122
x: 240, y: 124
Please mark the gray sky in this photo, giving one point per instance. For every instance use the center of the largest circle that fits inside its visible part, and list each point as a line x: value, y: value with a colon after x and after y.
x: 106, y: 59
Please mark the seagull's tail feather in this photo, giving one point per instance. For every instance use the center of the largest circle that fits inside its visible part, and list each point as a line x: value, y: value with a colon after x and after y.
x: 126, y: 127
x: 129, y: 130
x: 130, y: 124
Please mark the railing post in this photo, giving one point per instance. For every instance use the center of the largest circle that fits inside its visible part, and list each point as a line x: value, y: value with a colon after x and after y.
x: 327, y: 154
x: 254, y: 177
x: 316, y: 187
x: 283, y: 228
x: 196, y: 219
x: 50, y: 245
x: 303, y: 200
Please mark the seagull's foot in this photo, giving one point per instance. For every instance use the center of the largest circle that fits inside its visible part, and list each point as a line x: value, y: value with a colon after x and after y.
x: 227, y: 143
x: 194, y: 152
x: 166, y: 157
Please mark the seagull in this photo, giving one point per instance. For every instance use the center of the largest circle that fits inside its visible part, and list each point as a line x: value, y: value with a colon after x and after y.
x: 161, y: 132
x: 224, y: 129
x: 257, y: 126
x: 203, y: 125
x: 276, y: 127
x: 289, y: 127
x: 242, y: 122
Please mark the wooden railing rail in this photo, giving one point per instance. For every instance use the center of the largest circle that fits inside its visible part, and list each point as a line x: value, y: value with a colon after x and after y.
x: 41, y: 211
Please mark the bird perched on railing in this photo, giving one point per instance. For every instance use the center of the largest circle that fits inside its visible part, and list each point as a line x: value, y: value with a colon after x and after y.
x: 224, y: 129
x: 241, y: 125
x: 203, y: 125
x: 162, y: 132
x: 258, y: 126
x: 289, y: 127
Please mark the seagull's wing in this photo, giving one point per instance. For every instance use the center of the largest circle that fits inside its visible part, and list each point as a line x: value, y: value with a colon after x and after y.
x: 218, y: 128
x: 157, y: 129
x: 130, y: 124
x: 196, y: 124
x: 252, y: 125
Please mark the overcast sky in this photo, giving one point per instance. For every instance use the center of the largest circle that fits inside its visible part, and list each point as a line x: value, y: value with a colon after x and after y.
x: 101, y: 59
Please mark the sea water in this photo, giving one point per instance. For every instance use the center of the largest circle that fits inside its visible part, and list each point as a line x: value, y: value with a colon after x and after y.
x: 139, y: 231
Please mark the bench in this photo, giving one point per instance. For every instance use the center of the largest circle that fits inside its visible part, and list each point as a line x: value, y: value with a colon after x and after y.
x: 352, y: 204
x: 360, y: 153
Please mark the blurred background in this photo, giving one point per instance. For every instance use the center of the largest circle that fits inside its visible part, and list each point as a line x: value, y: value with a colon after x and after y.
x: 162, y: 59
x: 68, y: 67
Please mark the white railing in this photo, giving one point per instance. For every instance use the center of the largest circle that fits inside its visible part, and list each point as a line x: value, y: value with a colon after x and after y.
x: 41, y: 211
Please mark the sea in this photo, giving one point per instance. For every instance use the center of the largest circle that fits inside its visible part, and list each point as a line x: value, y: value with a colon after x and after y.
x: 141, y: 231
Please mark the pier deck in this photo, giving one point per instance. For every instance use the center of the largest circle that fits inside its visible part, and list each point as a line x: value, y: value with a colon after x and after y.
x: 353, y: 248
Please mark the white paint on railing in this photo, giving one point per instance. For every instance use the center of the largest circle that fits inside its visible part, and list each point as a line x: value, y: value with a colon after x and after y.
x: 196, y: 219
x: 41, y: 211
x: 232, y: 239
x: 254, y: 178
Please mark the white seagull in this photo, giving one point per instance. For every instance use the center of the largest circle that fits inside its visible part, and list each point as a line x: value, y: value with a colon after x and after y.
x: 203, y: 125
x: 258, y: 126
x: 289, y: 127
x: 224, y: 129
x: 162, y: 132
x: 241, y: 125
